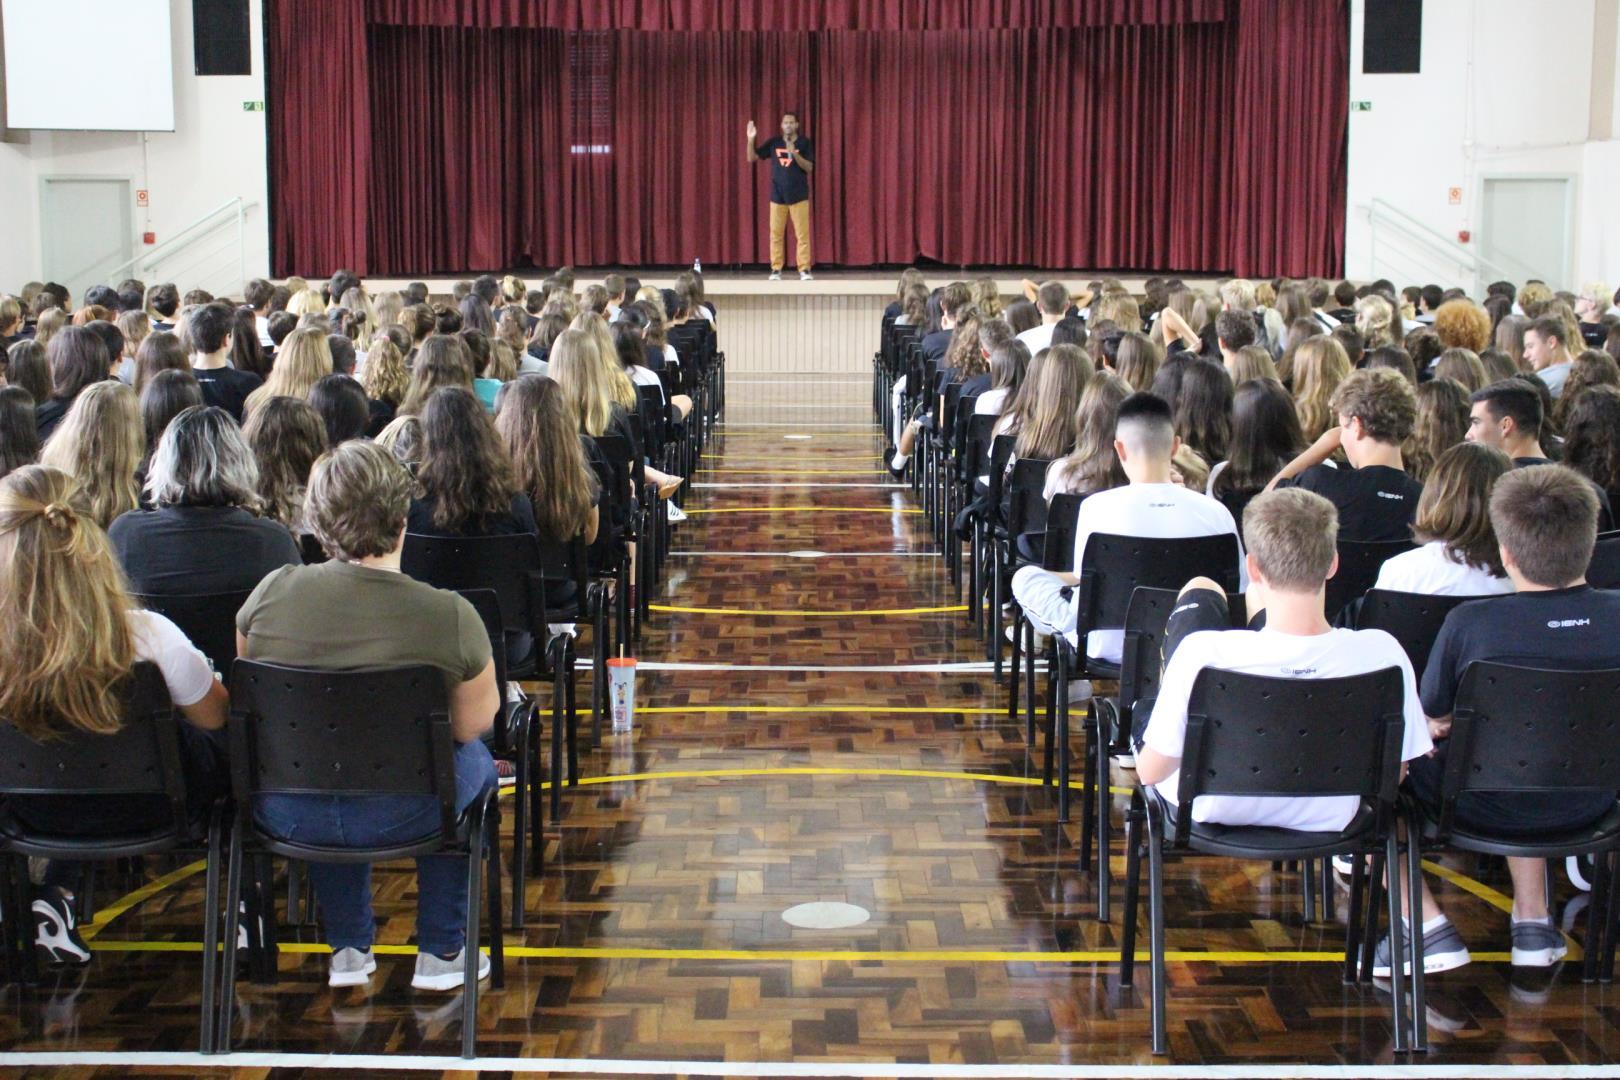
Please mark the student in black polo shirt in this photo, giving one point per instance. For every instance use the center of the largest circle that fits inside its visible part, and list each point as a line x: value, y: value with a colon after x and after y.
x: 1375, y: 496
x: 1508, y: 415
x: 1545, y: 518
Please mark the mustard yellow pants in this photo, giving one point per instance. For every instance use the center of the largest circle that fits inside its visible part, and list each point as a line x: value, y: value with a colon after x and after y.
x: 800, y: 213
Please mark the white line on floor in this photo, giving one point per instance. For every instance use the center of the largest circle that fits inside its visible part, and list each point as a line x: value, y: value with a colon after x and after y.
x: 797, y: 484
x: 966, y: 667
x: 250, y: 1060
x: 826, y: 555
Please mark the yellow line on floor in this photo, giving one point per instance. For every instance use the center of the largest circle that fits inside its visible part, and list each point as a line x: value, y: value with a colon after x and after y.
x: 810, y: 614
x: 825, y: 770
x: 139, y: 896
x: 953, y: 710
x: 805, y: 509
x: 854, y: 956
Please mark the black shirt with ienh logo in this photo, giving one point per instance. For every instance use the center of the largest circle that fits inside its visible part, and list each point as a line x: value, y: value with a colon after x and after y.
x: 1375, y: 503
x: 789, y: 182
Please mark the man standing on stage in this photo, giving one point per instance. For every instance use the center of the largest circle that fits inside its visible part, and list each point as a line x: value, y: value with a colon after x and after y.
x: 792, y: 162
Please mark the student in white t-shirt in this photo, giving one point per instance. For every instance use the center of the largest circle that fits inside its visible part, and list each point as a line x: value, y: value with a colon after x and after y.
x: 1053, y: 302
x: 72, y: 637
x: 1151, y: 505
x: 1290, y: 536
x: 1459, y: 555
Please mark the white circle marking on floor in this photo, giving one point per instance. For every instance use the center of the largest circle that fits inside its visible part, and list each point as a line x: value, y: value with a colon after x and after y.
x: 825, y: 915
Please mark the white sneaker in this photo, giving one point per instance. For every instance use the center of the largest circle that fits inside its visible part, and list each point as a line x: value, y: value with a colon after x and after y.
x: 351, y: 967
x: 804, y: 275
x: 436, y: 973
x: 674, y: 513
x: 776, y: 275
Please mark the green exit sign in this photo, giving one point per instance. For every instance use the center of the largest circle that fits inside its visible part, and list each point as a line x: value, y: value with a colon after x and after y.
x: 1361, y: 106
x: 253, y: 106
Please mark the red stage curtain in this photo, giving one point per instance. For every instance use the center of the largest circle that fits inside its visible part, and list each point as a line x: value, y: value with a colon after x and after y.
x: 421, y: 136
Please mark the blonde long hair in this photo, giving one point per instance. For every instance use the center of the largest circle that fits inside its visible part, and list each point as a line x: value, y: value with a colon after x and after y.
x: 617, y: 380
x: 68, y: 646
x: 100, y: 444
x: 575, y: 364
x: 303, y: 360
x: 1320, y: 365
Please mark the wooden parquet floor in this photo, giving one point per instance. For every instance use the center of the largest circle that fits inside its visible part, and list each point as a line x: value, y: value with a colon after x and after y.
x: 779, y: 761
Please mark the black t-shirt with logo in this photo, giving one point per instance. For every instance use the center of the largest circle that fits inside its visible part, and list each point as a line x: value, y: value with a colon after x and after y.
x: 1375, y: 503
x: 789, y: 183
x: 227, y: 388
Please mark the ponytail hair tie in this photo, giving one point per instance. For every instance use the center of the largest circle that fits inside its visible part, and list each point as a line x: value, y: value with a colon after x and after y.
x: 60, y: 515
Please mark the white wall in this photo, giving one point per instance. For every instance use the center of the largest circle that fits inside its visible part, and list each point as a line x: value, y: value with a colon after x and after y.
x: 1505, y: 87
x: 215, y: 153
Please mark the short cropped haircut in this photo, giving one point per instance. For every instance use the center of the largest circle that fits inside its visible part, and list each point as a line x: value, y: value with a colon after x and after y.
x: 1234, y: 329
x: 614, y: 284
x: 357, y: 500
x: 1292, y: 534
x: 1546, y: 519
x: 163, y: 299
x: 1146, y: 423
x: 1053, y: 298
x: 208, y: 327
x: 1551, y: 326
x: 1382, y: 399
x: 1514, y: 398
x: 256, y: 293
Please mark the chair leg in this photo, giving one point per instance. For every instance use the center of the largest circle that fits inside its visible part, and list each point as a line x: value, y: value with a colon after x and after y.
x: 1325, y: 876
x: 210, y: 972
x: 1060, y: 732
x: 1397, y: 949
x: 1087, y: 796
x: 1101, y: 808
x: 1597, y: 901
x: 1369, y: 926
x: 1308, y: 888
x: 569, y: 707
x: 1155, y: 839
x: 491, y: 853
x: 470, y: 951
x: 598, y: 671
x: 1352, y: 922
x: 1029, y: 684
x: 973, y: 576
x: 1017, y: 657
x: 1414, y: 904
x: 992, y: 644
x: 1051, y: 716
x: 269, y: 934
x: 1133, y: 888
x: 233, y: 920
x: 557, y: 723
x: 1607, y: 930
x: 520, y: 825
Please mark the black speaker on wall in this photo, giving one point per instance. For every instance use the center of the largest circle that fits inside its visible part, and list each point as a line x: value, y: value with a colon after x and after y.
x: 221, y: 40
x: 1392, y: 37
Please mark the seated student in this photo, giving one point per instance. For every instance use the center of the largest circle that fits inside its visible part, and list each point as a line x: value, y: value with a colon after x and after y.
x: 162, y: 301
x: 1375, y: 496
x: 286, y: 435
x: 210, y: 330
x: 1546, y: 523
x: 1458, y: 556
x: 1265, y: 437
x: 19, y: 439
x: 1290, y: 538
x: 1509, y: 415
x: 100, y: 443
x: 1151, y: 505
x: 78, y: 358
x: 343, y: 407
x: 1052, y: 301
x: 1547, y: 352
x: 304, y: 616
x: 205, y: 534
x: 953, y: 300
x: 1008, y: 363
x: 466, y: 479
x: 72, y: 635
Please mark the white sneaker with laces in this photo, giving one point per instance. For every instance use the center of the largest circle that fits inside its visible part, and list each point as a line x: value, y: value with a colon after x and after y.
x: 776, y: 275
x: 804, y: 275
x: 437, y: 973
x: 351, y: 967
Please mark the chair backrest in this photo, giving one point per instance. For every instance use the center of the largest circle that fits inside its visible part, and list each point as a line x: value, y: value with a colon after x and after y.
x: 488, y: 607
x: 1259, y: 736
x: 976, y: 447
x: 1359, y: 563
x: 300, y: 731
x: 947, y: 416
x: 1141, y: 659
x: 141, y: 758
x: 1026, y: 500
x: 1529, y: 729
x: 1604, y: 570
x: 1412, y: 619
x: 1061, y: 514
x: 1001, y: 452
x: 509, y: 566
x: 1113, y: 567
x: 207, y: 619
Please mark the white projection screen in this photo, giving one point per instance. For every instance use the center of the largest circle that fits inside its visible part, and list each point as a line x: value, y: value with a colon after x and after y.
x: 88, y: 65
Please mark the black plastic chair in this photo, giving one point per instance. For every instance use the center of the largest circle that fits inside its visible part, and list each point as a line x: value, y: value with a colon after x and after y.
x: 1057, y: 556
x: 207, y: 619
x: 1141, y: 660
x: 1359, y: 563
x: 142, y: 758
x: 1112, y: 568
x: 1412, y: 619
x: 1604, y: 570
x: 296, y: 731
x: 973, y: 462
x: 1529, y: 730
x: 1253, y: 736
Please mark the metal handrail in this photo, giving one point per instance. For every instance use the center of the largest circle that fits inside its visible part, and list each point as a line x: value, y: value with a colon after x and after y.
x: 202, y: 226
x: 1416, y: 230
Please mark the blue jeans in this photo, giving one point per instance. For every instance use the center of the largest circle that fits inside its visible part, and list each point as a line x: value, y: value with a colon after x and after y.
x: 344, y: 889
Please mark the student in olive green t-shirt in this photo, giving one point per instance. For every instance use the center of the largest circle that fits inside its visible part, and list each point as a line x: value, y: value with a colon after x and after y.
x: 359, y: 611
